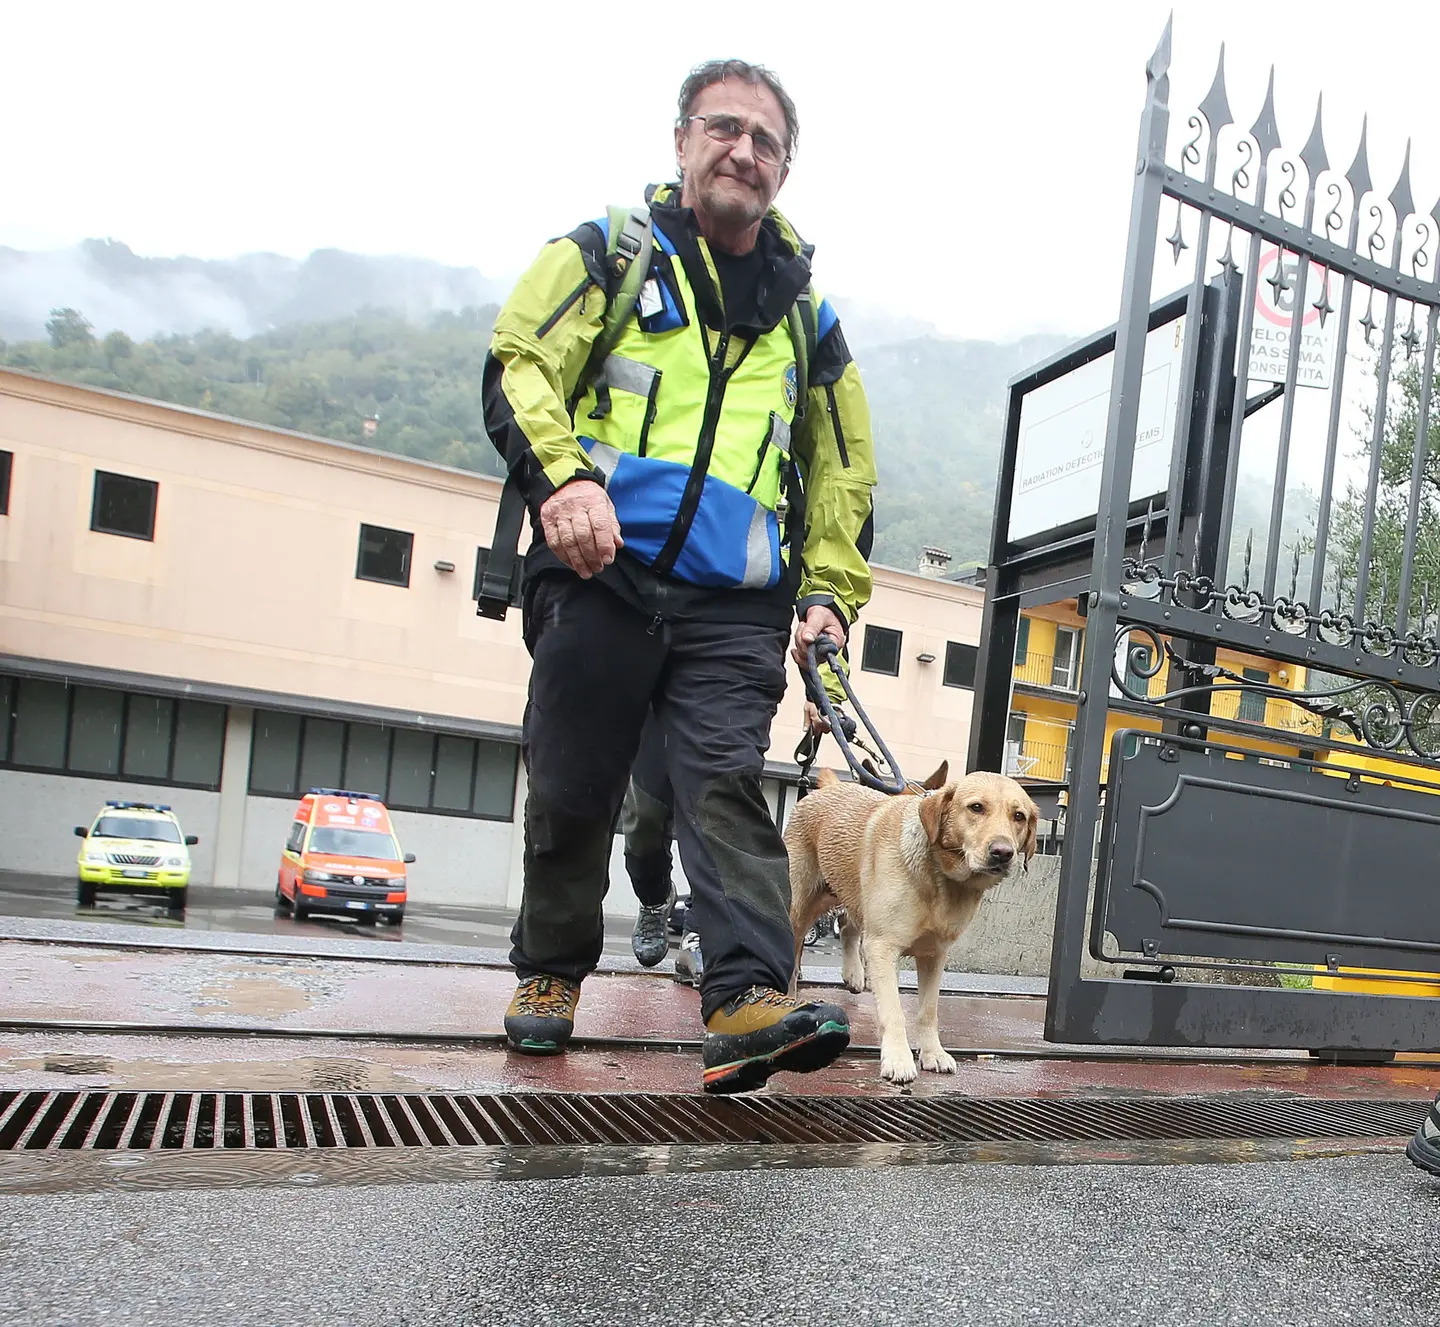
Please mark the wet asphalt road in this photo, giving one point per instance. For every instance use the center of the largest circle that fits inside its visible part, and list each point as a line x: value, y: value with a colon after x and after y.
x: 248, y: 912
x: 1349, y: 1241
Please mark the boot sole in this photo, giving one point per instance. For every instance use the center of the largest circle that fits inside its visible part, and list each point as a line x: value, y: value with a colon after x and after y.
x: 805, y: 1056
x: 1423, y: 1156
x: 529, y: 1047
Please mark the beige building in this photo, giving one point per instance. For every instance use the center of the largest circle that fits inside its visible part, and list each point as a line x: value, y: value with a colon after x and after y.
x: 216, y: 615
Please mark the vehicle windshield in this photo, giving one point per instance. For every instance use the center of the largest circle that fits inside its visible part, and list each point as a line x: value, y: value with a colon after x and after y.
x: 136, y: 827
x: 353, y: 843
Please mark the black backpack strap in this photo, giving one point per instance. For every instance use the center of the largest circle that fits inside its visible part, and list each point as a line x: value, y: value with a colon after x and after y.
x: 502, y: 568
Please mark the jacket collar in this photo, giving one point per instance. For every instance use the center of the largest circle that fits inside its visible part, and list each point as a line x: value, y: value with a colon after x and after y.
x: 785, y: 255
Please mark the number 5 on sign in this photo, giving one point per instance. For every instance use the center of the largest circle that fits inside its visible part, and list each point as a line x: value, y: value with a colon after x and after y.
x: 1277, y: 288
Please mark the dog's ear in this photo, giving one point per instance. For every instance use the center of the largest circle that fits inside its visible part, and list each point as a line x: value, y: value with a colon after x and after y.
x: 1032, y: 831
x: 938, y: 779
x: 826, y: 778
x: 933, y: 809
x: 869, y: 766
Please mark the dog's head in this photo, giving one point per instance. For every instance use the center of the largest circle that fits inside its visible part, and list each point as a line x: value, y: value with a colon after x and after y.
x: 980, y: 826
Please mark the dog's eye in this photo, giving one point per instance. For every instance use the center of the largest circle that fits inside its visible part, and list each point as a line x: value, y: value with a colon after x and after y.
x: 1021, y: 817
x: 977, y: 807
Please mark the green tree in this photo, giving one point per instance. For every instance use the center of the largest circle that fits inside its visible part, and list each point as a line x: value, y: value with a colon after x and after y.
x: 69, y: 327
x: 1392, y: 507
x: 117, y: 345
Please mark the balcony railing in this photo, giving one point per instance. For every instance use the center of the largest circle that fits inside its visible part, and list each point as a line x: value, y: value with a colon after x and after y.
x: 1037, y: 760
x: 1038, y: 670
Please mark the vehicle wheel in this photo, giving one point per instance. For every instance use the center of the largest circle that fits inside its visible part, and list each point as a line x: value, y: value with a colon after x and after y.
x: 179, y: 898
x: 281, y: 902
x: 298, y: 910
x: 84, y: 894
x: 395, y: 918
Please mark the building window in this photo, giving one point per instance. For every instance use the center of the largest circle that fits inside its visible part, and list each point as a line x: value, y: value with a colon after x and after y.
x: 102, y: 733
x: 384, y: 555
x: 959, y: 665
x: 7, y: 460
x: 123, y: 505
x: 882, y: 651
x: 482, y: 560
x: 409, y: 769
x: 1252, y: 703
x: 1065, y: 666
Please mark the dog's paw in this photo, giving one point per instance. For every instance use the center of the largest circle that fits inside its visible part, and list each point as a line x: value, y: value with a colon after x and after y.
x: 852, y: 980
x: 937, y: 1060
x: 897, y: 1066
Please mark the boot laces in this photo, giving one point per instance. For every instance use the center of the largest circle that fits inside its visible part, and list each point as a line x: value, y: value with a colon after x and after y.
x: 761, y: 995
x: 544, y: 997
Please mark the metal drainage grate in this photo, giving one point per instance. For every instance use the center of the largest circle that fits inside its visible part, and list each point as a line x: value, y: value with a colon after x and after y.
x: 166, y: 1121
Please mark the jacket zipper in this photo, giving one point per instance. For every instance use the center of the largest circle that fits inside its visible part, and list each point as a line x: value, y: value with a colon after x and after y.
x: 760, y: 459
x: 649, y: 412
x: 704, y: 448
x: 835, y: 424
x: 549, y: 324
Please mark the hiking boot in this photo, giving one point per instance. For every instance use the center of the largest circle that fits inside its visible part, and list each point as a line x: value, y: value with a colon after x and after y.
x: 763, y: 1032
x: 649, y: 939
x: 1424, y: 1149
x: 689, y: 963
x: 541, y: 1015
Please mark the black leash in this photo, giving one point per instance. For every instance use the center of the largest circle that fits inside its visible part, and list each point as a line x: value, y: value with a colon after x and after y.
x: 842, y: 727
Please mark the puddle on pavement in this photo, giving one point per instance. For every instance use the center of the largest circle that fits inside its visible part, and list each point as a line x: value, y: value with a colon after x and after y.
x: 298, y: 1074
x: 261, y: 987
x: 89, y: 1172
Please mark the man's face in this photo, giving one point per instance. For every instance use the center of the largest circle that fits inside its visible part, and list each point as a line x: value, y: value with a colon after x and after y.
x: 727, y: 182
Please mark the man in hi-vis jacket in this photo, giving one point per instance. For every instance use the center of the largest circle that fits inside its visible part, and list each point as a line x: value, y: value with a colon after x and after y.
x: 693, y: 494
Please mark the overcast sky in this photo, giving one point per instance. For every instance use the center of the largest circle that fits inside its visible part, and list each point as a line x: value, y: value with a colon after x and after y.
x: 965, y: 164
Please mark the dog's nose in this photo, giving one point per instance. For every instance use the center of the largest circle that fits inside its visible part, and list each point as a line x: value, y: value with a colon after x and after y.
x: 1002, y: 852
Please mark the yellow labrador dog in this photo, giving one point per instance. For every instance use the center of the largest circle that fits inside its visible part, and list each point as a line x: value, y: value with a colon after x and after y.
x: 910, y: 872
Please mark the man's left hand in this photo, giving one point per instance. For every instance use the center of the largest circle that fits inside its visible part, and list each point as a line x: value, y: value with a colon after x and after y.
x: 815, y: 721
x: 819, y: 621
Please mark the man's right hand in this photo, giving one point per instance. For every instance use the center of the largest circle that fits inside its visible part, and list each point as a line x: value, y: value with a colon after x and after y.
x: 581, y: 527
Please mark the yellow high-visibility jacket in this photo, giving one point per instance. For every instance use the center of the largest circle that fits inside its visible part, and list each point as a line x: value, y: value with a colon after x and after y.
x: 729, y: 505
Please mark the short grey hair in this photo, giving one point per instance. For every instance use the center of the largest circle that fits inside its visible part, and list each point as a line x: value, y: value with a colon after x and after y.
x: 718, y: 71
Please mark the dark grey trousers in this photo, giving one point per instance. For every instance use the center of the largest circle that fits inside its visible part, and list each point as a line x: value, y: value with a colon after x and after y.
x: 647, y: 819
x: 600, y: 668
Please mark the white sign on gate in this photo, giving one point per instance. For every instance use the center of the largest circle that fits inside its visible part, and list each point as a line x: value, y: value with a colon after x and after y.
x: 1276, y: 289
x: 1062, y: 437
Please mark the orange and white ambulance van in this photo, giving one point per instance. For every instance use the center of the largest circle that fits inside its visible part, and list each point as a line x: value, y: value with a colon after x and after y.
x: 342, y: 856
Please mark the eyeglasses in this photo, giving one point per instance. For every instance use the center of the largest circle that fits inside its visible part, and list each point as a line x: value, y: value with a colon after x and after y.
x: 728, y: 130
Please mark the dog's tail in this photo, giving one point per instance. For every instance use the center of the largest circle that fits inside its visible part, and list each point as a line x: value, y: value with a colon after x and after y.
x: 826, y: 778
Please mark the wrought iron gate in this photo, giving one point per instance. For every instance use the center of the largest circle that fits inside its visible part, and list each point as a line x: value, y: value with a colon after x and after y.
x: 1301, y: 826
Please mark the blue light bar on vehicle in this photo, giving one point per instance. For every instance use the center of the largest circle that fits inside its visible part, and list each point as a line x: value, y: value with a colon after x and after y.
x: 137, y: 806
x: 347, y: 793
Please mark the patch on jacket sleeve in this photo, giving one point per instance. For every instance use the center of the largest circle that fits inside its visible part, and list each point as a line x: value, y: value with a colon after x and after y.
x: 792, y: 385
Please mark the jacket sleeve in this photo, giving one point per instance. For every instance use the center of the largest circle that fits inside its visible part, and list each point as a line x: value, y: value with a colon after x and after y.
x: 837, y: 463
x: 540, y: 344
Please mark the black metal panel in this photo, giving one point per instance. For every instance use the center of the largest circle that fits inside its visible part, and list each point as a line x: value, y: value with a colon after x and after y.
x: 1213, y: 855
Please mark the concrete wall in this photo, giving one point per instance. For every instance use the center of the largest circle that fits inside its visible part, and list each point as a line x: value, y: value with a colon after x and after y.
x: 1014, y: 930
x: 250, y: 577
x: 39, y: 812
